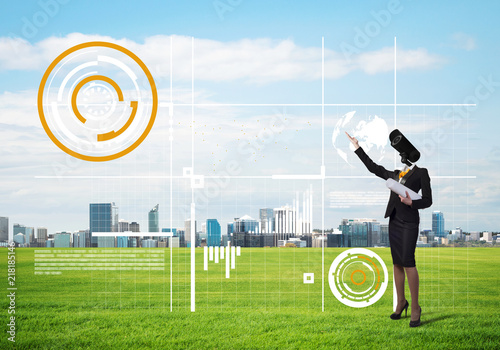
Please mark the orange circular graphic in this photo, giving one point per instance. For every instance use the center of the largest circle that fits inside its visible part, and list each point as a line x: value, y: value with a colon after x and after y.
x: 117, y: 118
x: 356, y: 283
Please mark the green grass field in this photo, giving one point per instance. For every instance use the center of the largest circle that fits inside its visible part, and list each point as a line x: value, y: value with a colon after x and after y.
x: 264, y: 304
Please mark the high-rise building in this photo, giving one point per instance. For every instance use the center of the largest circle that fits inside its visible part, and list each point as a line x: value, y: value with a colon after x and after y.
x: 182, y: 237
x: 62, y: 240
x: 19, y: 238
x: 41, y: 236
x: 134, y: 227
x: 384, y: 235
x: 122, y: 242
x: 266, y: 220
x: 149, y: 243
x: 4, y: 229
x: 474, y: 236
x: 245, y: 227
x: 123, y: 226
x: 134, y: 241
x: 153, y: 221
x: 103, y: 218
x: 213, y: 232
x: 246, y: 224
x: 354, y: 233
x: 285, y: 223
x: 80, y: 238
x: 188, y: 231
x: 456, y: 235
x: 438, y: 223
x: 30, y: 235
x: 18, y: 228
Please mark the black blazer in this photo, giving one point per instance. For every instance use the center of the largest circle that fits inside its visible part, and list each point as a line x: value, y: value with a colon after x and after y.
x: 416, y: 179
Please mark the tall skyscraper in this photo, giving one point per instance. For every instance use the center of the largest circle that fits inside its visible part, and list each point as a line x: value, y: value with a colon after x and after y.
x: 103, y: 218
x: 438, y: 223
x: 4, y: 229
x: 266, y: 220
x: 285, y: 219
x: 41, y: 236
x: 153, y: 220
x: 213, y: 233
x: 188, y: 231
x: 18, y: 228
x: 30, y: 235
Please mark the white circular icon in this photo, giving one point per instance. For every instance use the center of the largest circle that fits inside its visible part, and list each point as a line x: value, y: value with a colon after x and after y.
x: 358, y: 277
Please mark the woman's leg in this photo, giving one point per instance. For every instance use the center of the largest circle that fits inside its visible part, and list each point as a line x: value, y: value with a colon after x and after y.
x: 399, y: 280
x: 413, y: 283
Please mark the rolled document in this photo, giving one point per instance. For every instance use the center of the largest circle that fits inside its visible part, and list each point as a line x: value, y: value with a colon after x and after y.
x: 395, y: 186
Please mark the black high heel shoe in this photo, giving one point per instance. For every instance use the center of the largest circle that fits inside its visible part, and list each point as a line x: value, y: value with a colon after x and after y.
x: 396, y: 316
x: 417, y: 322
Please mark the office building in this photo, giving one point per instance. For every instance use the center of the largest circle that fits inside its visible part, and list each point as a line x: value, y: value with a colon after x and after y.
x: 213, y: 232
x: 121, y: 242
x: 456, y: 235
x: 354, y: 233
x: 266, y: 220
x: 438, y: 223
x: 41, y: 236
x: 62, y: 240
x: 149, y: 243
x: 230, y: 228
x: 188, y: 232
x: 19, y: 238
x: 103, y: 218
x: 285, y: 223
x: 474, y: 236
x: 334, y: 239
x: 182, y: 237
x: 123, y: 226
x: 384, y: 235
x: 28, y: 233
x: 4, y: 229
x: 153, y: 221
x: 487, y: 237
x: 173, y: 242
x: 134, y: 227
x: 80, y: 238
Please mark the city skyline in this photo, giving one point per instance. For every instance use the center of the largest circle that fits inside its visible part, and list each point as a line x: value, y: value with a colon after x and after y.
x: 104, y: 217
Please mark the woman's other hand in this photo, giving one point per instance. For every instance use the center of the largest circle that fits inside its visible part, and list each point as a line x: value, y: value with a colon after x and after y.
x: 406, y: 200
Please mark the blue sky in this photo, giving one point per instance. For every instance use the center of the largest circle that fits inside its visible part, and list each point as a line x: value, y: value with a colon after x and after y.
x: 448, y: 51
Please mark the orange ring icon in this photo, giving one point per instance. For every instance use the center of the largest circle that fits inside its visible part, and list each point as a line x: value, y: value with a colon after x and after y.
x: 352, y: 279
x: 109, y: 135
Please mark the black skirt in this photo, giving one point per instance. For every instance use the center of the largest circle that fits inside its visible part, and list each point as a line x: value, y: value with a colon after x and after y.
x: 403, y: 237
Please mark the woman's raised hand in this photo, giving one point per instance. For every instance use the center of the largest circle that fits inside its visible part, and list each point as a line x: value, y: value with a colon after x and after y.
x: 353, y: 140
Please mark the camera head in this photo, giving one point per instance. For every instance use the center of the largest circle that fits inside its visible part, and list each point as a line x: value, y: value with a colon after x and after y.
x: 409, y: 154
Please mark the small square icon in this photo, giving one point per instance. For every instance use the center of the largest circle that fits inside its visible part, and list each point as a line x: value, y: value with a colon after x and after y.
x: 197, y: 181
x: 309, y: 278
x: 187, y: 172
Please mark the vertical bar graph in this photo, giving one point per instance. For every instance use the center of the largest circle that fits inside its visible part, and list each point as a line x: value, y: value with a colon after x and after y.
x: 233, y: 257
x: 227, y: 260
x: 205, y: 258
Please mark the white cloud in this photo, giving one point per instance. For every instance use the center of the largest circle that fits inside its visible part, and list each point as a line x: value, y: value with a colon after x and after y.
x: 254, y: 60
x: 463, y: 41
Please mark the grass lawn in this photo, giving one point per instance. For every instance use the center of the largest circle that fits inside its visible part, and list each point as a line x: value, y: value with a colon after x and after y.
x: 264, y: 304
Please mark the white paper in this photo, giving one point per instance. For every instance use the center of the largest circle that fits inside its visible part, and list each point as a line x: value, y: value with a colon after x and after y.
x: 395, y: 186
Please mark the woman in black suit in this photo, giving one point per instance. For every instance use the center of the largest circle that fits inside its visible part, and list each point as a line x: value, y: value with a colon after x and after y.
x: 403, y: 228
